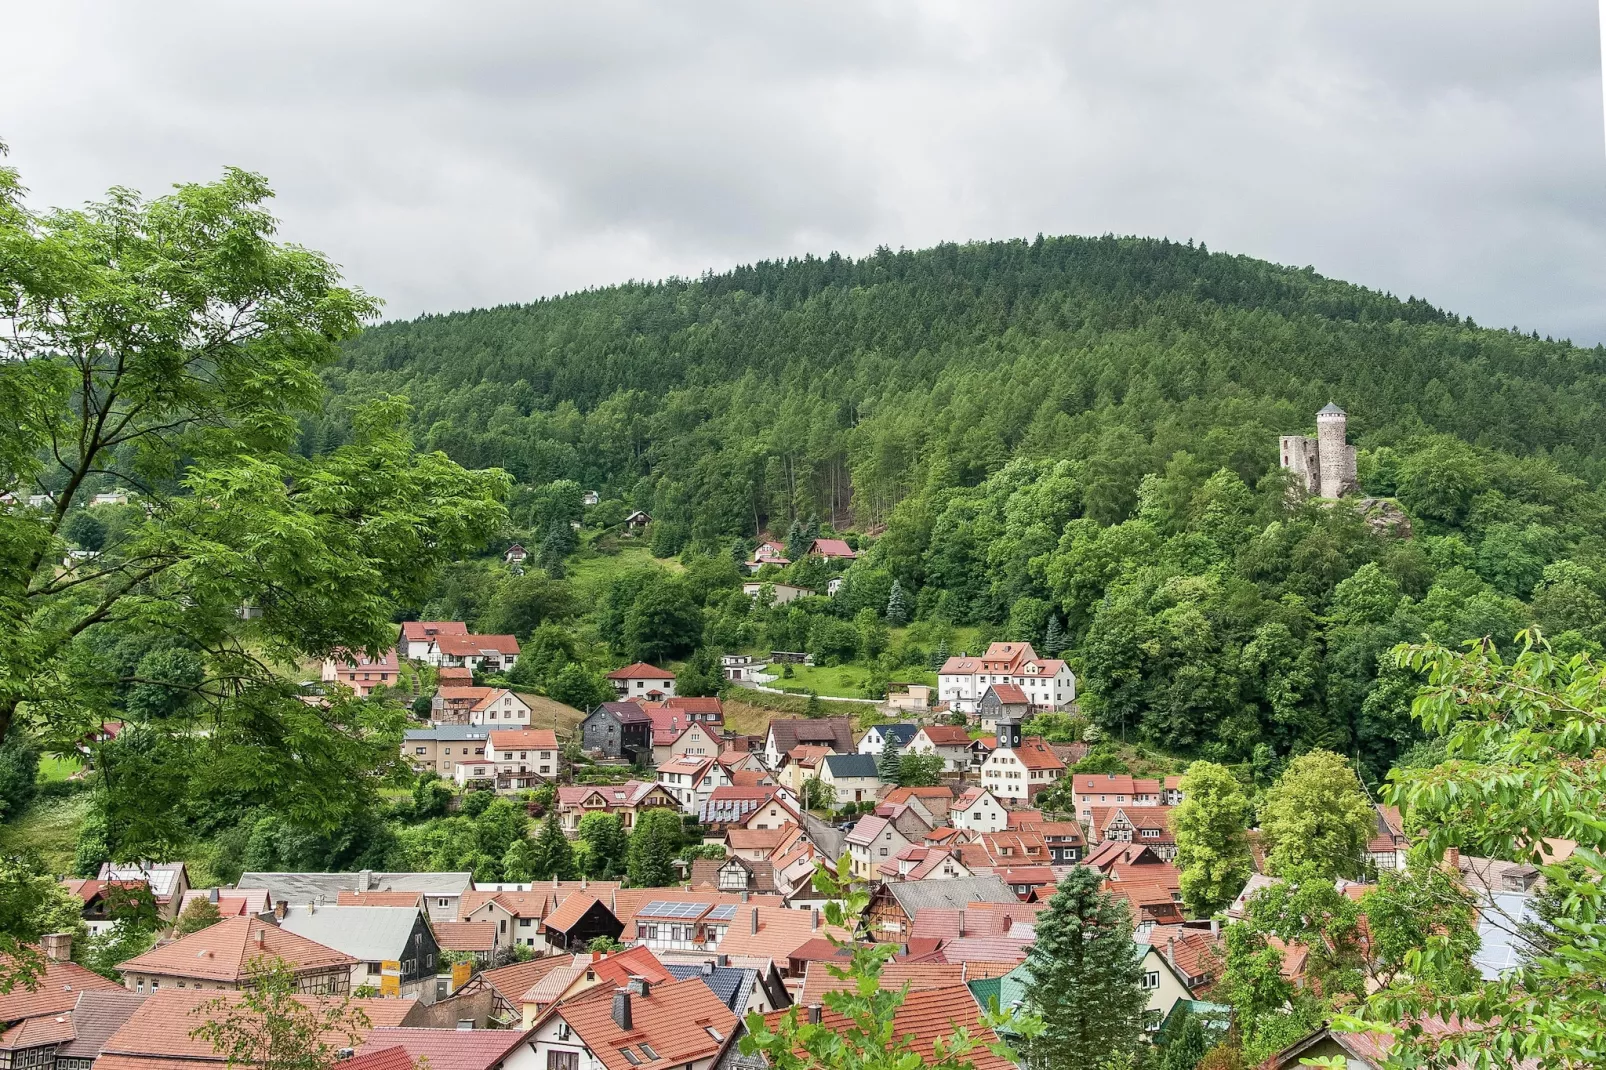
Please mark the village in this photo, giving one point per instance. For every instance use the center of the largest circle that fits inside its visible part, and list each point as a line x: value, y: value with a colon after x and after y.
x: 574, y: 973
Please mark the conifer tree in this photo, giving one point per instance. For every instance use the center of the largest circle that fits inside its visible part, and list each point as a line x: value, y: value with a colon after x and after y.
x: 897, y: 607
x: 653, y: 844
x: 940, y: 655
x: 889, y: 766
x: 1087, y: 980
x: 797, y: 544
x: 605, y: 837
x: 1053, y: 637
x: 554, y: 857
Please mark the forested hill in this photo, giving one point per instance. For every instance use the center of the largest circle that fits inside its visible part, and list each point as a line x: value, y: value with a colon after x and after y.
x: 814, y: 371
x: 1071, y: 441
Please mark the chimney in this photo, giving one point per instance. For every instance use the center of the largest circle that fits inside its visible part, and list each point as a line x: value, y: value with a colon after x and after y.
x: 815, y: 922
x: 1453, y: 856
x: 212, y: 896
x: 722, y: 960
x: 583, y: 883
x: 814, y: 1014
x: 279, y: 909
x: 755, y: 920
x: 365, y: 880
x: 621, y: 1009
x: 56, y: 946
x: 708, y: 967
x: 596, y: 955
x: 1215, y: 926
x: 638, y: 986
x: 744, y: 895
x: 259, y: 936
x: 1171, y: 950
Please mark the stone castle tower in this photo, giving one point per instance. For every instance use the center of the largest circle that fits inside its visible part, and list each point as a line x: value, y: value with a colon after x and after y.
x: 1325, y: 465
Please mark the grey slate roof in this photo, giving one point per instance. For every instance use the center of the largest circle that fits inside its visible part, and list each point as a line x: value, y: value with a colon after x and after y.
x: 1330, y: 410
x: 371, y: 934
x: 299, y: 889
x: 950, y: 894
x: 625, y: 712
x: 898, y: 734
x: 731, y: 984
x: 450, y: 733
x: 96, y: 1016
x: 852, y: 765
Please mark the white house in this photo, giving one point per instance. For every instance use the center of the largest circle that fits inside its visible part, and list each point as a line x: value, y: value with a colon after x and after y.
x: 949, y: 742
x: 875, y: 738
x: 854, y: 776
x: 976, y: 810
x: 517, y: 758
x: 481, y: 653
x: 782, y: 592
x: 1048, y: 683
x: 872, y: 841
x: 692, y: 779
x: 1018, y: 769
x: 416, y: 636
x: 643, y: 681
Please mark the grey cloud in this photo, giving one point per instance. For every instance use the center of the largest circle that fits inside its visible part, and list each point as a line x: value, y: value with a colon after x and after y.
x: 471, y: 153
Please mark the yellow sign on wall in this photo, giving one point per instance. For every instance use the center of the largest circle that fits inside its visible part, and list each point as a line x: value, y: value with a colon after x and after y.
x: 390, y: 985
x: 461, y: 972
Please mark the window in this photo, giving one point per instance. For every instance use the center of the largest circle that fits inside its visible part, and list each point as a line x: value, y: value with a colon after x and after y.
x: 630, y: 1056
x: 1151, y: 980
x: 563, y: 1060
x: 563, y: 1030
x: 647, y: 1049
x: 420, y: 750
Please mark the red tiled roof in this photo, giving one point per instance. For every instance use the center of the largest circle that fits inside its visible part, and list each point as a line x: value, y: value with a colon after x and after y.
x: 1010, y: 695
x: 57, y: 991
x: 741, y: 839
x: 1195, y: 952
x: 467, y: 645
x: 421, y: 630
x: 392, y: 1058
x: 930, y: 1015
x: 781, y: 931
x: 378, y: 899
x: 749, y: 778
x: 696, y: 704
x: 347, y: 662
x: 448, y: 675
x: 832, y: 548
x: 1023, y: 820
x: 516, y: 979
x: 571, y: 911
x: 679, y: 1021
x: 524, y: 739
x: 465, y: 935
x: 159, y: 1031
x: 465, y: 695
x: 37, y: 1032
x: 919, y: 976
x: 946, y: 735
x: 668, y: 722
x: 617, y: 968
x: 1033, y: 753
x: 641, y: 671
x: 225, y: 951
x: 903, y: 795
x: 447, y: 1049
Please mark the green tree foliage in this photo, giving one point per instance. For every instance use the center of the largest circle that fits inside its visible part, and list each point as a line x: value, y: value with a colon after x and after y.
x: 889, y: 767
x: 266, y: 1025
x: 200, y: 914
x: 1523, y: 762
x: 32, y: 903
x: 653, y: 844
x: 553, y: 855
x: 919, y: 770
x: 172, y: 346
x: 701, y: 675
x: 1087, y: 982
x: 522, y: 604
x: 897, y: 611
x: 1317, y: 815
x: 575, y: 685
x: 816, y: 794
x: 606, y: 846
x: 1211, y: 826
x: 19, y: 771
x: 866, y: 1037
x: 1187, y: 1046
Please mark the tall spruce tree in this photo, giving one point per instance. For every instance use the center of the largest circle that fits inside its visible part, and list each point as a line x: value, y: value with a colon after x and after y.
x: 890, y: 764
x: 897, y: 606
x: 1053, y: 637
x: 1087, y: 978
x: 939, y: 655
x: 797, y: 544
x: 554, y: 856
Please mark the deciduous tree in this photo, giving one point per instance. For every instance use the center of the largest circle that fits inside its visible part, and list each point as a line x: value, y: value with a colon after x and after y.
x: 1317, y: 814
x: 1211, y: 826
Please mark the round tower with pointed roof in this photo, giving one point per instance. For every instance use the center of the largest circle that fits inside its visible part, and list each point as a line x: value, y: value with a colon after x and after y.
x: 1337, y: 456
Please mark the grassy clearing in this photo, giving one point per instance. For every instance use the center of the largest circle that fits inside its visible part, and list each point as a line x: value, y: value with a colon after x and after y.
x: 48, y: 828
x: 58, y: 768
x: 591, y: 572
x: 550, y: 713
x: 750, y: 712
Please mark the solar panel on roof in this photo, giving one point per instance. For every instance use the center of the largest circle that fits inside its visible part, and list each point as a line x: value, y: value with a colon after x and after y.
x: 723, y: 912
x: 660, y: 908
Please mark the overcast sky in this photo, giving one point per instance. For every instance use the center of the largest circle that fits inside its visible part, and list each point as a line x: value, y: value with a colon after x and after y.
x: 470, y: 153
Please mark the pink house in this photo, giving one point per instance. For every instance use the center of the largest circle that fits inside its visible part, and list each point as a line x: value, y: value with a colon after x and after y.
x: 359, y: 672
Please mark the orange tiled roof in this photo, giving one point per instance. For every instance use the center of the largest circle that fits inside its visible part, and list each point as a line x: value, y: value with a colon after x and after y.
x: 524, y: 739
x: 160, y: 1029
x: 573, y: 909
x: 683, y: 1022
x: 225, y: 951
x: 1033, y: 753
x: 919, y: 976
x: 57, y: 991
x: 930, y: 1015
x: 946, y: 735
x: 465, y: 935
x: 641, y: 671
x: 378, y: 899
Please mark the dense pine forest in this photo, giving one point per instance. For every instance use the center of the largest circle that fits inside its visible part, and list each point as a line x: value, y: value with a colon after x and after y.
x: 1067, y: 436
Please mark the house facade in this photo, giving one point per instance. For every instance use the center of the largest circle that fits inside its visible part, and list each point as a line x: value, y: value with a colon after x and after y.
x: 521, y: 758
x: 618, y: 730
x: 949, y: 742
x: 360, y: 672
x: 443, y: 747
x: 480, y: 653
x: 1018, y: 768
x: 626, y: 800
x: 854, y: 777
x: 416, y: 636
x: 978, y: 810
x: 1047, y: 683
x: 642, y: 681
